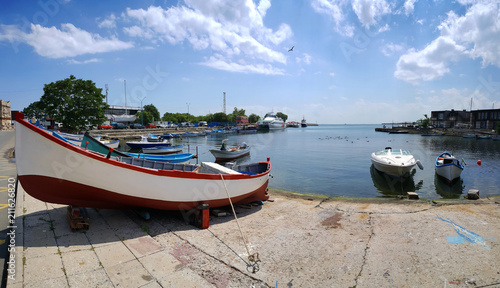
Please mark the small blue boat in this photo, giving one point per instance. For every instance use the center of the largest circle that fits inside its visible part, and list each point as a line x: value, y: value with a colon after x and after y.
x: 448, y: 167
x: 163, y: 150
x: 177, y: 158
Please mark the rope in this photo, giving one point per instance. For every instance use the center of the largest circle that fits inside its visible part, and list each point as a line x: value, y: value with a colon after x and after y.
x: 253, y: 258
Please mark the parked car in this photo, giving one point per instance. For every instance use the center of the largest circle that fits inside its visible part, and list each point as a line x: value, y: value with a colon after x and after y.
x: 119, y: 126
x: 150, y: 125
x: 104, y: 126
x: 136, y: 126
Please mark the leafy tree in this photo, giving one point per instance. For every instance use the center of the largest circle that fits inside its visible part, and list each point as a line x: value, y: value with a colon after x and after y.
x: 155, y: 114
x: 143, y: 117
x: 253, y: 118
x: 174, y: 118
x: 76, y: 103
x: 220, y: 117
x: 425, y: 122
x: 34, y: 110
x: 148, y: 115
x: 282, y: 116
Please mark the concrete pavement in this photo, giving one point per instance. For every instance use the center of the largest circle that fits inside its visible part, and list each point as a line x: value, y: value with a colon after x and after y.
x: 301, y: 241
x: 7, y: 182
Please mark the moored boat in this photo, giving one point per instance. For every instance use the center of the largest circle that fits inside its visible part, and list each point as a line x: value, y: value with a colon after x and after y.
x: 148, y: 141
x: 271, y: 121
x: 394, y: 162
x: 303, y: 123
x: 163, y: 149
x: 225, y: 154
x: 70, y: 175
x: 175, y: 158
x: 448, y: 167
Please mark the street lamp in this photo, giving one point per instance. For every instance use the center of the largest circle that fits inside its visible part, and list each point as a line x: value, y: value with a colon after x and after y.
x: 142, y: 111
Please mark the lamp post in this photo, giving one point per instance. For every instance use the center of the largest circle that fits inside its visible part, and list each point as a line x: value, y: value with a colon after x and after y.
x: 142, y: 111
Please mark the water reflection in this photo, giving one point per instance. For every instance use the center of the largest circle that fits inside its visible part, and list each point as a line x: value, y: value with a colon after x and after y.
x: 447, y: 190
x: 394, y: 186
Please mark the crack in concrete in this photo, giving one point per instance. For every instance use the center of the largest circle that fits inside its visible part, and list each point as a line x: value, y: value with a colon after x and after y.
x: 366, y: 249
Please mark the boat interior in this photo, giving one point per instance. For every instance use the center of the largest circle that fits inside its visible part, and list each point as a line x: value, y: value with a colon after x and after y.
x: 205, y: 167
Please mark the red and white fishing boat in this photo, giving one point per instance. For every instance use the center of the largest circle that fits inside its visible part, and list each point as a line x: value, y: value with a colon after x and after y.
x: 58, y: 172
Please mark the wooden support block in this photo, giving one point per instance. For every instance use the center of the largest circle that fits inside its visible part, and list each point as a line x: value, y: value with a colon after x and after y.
x: 473, y: 194
x: 202, y: 218
x: 412, y: 195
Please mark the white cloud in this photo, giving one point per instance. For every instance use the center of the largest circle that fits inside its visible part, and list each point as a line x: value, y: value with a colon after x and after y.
x: 479, y: 29
x: 430, y: 63
x: 391, y: 48
x: 475, y: 34
x: 109, y: 22
x: 409, y: 6
x: 93, y: 60
x: 335, y: 10
x: 220, y: 63
x: 368, y: 11
x: 70, y: 41
x: 234, y: 30
x: 306, y: 59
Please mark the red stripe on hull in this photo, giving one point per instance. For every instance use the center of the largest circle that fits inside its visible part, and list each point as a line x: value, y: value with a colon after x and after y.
x: 65, y: 192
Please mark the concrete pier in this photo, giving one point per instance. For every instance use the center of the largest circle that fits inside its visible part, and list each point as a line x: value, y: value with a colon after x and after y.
x: 302, y: 241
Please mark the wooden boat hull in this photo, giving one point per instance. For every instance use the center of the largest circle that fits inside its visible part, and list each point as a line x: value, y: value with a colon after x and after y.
x: 58, y: 172
x: 450, y: 170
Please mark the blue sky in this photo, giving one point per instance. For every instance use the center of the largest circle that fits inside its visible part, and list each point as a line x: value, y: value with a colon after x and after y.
x: 353, y: 61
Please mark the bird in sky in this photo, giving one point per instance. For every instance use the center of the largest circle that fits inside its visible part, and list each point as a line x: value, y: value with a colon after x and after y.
x: 291, y: 49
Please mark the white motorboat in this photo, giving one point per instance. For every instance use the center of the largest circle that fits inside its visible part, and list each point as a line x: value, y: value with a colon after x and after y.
x: 394, y: 162
x: 448, y: 167
x: 272, y: 121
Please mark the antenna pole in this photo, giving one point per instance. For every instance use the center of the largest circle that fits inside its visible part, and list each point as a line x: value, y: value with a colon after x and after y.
x: 224, y: 103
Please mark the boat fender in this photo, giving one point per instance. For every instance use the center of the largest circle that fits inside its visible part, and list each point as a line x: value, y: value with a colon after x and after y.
x: 419, y: 164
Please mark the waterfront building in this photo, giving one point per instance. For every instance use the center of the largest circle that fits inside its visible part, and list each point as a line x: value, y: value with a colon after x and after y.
x: 121, y: 114
x: 475, y: 119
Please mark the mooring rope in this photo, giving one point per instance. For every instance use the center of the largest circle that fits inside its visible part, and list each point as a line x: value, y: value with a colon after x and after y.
x: 253, y: 258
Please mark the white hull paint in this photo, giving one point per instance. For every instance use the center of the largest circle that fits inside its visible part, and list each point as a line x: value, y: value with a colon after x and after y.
x: 448, y: 167
x: 121, y: 185
x: 396, y: 163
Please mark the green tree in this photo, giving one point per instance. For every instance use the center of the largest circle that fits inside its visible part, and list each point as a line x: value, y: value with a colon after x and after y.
x: 253, y: 118
x: 149, y: 114
x: 76, y: 103
x: 34, y: 110
x: 220, y: 117
x: 426, y: 122
x: 153, y: 111
x: 282, y: 116
x: 174, y: 118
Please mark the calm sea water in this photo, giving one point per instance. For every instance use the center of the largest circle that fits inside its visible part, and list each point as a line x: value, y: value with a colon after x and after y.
x: 334, y: 160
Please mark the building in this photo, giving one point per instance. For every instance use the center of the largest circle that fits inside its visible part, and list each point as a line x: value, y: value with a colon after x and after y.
x: 241, y: 120
x: 121, y: 114
x: 450, y: 118
x: 5, y: 117
x: 476, y: 119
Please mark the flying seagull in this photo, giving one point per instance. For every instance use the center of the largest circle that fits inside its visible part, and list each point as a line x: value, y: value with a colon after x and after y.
x: 291, y: 49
